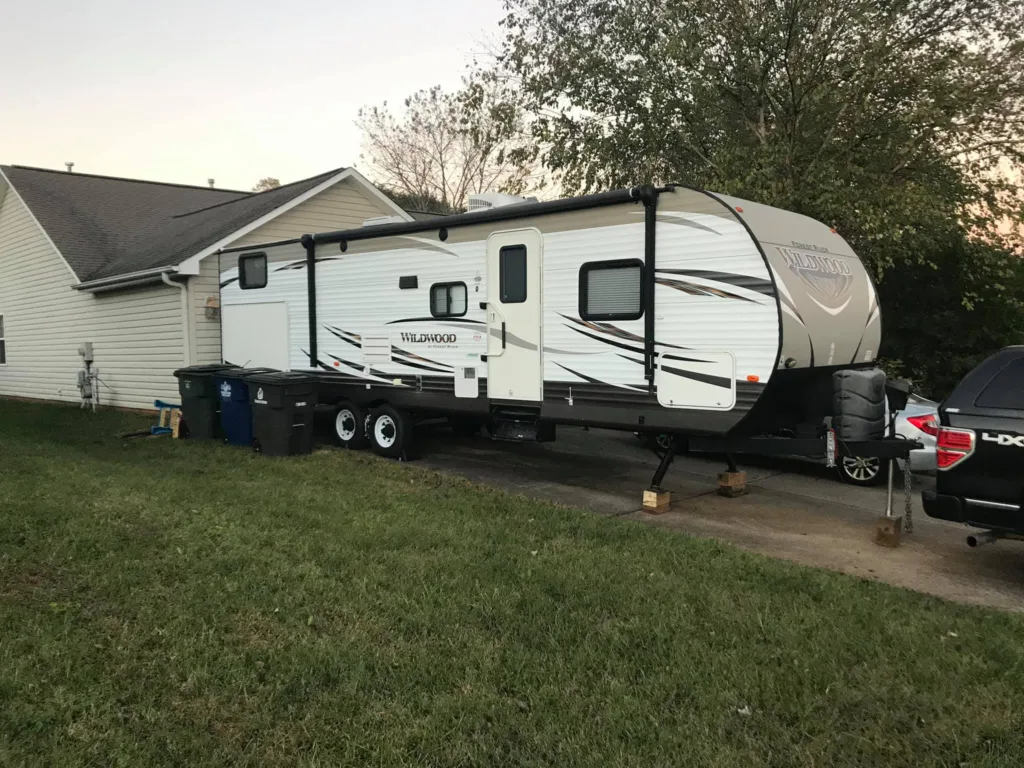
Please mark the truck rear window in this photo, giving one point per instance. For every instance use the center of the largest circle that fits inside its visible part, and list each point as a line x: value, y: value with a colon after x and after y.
x: 1006, y: 390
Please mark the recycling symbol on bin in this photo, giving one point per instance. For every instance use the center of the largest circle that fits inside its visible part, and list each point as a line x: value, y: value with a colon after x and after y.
x: 225, y: 391
x: 259, y: 393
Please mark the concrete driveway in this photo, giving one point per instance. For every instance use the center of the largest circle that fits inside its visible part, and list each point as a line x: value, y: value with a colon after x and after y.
x: 795, y: 511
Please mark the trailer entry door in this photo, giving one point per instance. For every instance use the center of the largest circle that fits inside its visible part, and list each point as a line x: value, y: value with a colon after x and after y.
x: 514, y: 306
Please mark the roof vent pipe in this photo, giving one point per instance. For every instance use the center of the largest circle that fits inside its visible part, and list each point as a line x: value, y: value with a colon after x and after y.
x: 211, y: 182
x: 70, y: 166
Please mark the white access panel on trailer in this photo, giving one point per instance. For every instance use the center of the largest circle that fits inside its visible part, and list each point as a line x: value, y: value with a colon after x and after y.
x: 256, y: 335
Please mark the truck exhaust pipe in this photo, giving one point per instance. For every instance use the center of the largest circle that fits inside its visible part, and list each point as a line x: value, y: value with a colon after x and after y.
x: 977, y: 539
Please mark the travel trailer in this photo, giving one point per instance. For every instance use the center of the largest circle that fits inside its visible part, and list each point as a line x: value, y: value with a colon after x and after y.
x: 647, y: 309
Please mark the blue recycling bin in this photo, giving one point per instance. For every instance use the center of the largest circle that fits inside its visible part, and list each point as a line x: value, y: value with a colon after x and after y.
x: 235, y: 409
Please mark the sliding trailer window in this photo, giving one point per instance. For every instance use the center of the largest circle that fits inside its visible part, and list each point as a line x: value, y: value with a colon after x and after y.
x: 448, y: 299
x: 252, y: 271
x: 612, y: 290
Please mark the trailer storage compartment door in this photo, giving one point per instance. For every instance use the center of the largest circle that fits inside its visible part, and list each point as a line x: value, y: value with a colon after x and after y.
x: 256, y: 335
x: 696, y: 380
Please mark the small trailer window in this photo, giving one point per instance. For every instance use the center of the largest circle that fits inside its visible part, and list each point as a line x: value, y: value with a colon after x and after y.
x: 252, y: 271
x: 512, y: 271
x: 612, y: 290
x: 448, y: 299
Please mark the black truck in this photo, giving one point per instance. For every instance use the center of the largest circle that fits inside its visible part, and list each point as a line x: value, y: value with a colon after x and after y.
x: 980, y: 450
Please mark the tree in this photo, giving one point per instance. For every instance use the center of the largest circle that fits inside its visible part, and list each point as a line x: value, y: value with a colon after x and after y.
x: 944, y: 317
x: 422, y: 203
x: 885, y: 118
x: 266, y: 184
x: 441, y: 146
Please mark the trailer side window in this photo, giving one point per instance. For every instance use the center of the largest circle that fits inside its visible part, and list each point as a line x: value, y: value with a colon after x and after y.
x: 612, y: 290
x: 448, y: 299
x: 252, y: 271
x: 1006, y: 390
x: 512, y: 273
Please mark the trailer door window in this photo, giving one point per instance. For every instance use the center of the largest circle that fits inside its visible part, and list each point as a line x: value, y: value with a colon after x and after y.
x: 512, y: 269
x: 448, y: 299
x: 612, y: 290
x: 252, y: 271
x: 3, y: 343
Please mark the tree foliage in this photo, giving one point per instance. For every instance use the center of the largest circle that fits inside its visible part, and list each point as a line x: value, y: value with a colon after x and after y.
x: 265, y: 184
x: 421, y: 203
x: 442, y: 146
x: 945, y: 316
x: 885, y: 118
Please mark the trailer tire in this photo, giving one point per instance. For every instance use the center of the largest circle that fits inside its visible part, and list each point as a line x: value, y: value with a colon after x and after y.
x: 389, y: 431
x: 350, y: 425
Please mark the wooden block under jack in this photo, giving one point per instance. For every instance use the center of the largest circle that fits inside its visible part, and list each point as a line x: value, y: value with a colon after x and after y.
x: 732, y: 483
x: 888, y: 531
x: 657, y: 501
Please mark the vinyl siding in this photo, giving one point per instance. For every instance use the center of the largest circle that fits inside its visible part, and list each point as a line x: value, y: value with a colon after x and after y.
x: 342, y: 206
x: 205, y: 331
x: 136, y: 334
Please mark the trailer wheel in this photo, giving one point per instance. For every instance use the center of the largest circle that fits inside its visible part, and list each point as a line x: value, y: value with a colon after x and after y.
x: 389, y: 432
x: 350, y: 425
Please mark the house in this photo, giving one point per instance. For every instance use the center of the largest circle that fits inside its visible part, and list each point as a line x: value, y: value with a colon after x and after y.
x: 131, y: 266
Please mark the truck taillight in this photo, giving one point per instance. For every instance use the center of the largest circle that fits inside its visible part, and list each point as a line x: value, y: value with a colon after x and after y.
x: 927, y: 423
x: 953, y: 446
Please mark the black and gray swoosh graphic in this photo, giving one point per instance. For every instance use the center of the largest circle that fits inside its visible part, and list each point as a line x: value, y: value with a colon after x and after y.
x: 608, y: 328
x: 756, y: 284
x: 515, y: 341
x: 436, y: 320
x: 715, y: 381
x: 700, y: 290
x: 592, y: 380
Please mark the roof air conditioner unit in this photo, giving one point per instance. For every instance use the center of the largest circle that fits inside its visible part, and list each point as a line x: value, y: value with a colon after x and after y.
x: 484, y: 201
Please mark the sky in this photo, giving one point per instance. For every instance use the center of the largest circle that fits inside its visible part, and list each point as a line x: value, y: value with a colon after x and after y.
x: 227, y: 89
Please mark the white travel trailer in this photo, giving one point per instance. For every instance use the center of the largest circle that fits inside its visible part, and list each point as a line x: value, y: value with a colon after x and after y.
x: 669, y: 310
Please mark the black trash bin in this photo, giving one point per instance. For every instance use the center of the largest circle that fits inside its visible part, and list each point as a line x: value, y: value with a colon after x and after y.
x: 283, y: 404
x: 200, y: 402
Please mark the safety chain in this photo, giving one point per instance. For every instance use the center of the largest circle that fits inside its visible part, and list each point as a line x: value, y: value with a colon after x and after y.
x: 908, y: 520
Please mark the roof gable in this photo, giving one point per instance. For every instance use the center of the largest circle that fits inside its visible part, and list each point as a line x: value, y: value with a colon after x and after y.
x: 106, y: 226
x: 189, y: 232
x: 93, y: 219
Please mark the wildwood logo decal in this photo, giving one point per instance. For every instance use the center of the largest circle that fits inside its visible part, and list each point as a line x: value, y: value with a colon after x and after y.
x: 428, y: 338
x: 827, y: 275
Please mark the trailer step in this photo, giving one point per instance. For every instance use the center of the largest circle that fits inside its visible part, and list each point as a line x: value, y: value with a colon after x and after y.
x: 520, y: 425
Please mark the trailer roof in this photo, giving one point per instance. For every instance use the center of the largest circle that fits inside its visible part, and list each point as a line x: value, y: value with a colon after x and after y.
x: 502, y: 213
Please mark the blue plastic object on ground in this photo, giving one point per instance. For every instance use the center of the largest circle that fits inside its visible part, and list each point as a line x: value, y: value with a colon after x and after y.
x: 235, y: 411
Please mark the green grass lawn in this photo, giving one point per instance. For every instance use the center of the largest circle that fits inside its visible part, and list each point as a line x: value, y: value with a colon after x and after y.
x: 168, y: 602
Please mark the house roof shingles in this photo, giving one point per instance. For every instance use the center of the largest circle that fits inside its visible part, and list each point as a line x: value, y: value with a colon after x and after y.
x: 106, y: 226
